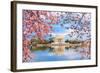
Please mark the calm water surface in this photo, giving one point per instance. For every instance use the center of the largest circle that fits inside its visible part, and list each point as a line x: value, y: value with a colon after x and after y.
x: 67, y: 54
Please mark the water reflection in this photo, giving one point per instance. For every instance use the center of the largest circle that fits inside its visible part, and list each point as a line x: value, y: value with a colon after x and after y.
x: 60, y: 50
x: 60, y: 53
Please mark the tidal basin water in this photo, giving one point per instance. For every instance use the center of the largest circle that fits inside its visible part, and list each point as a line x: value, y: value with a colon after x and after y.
x: 60, y: 55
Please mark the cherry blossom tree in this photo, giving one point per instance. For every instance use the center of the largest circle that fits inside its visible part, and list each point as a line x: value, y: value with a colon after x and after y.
x: 38, y: 22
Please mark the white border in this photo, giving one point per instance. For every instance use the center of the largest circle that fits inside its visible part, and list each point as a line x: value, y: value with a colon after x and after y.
x: 34, y: 65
